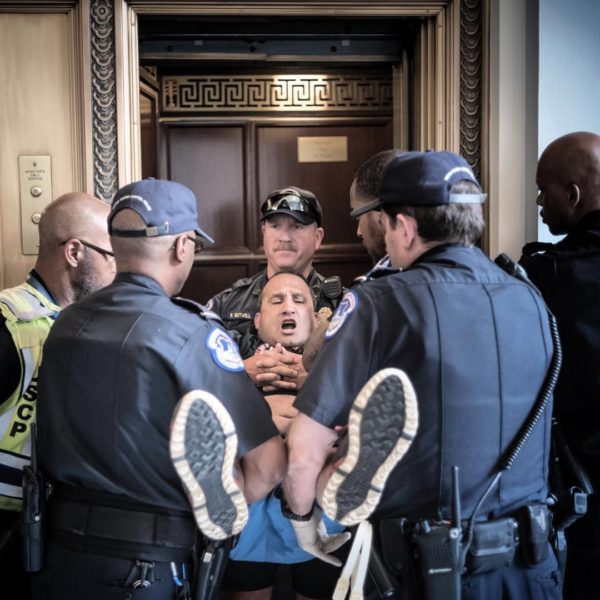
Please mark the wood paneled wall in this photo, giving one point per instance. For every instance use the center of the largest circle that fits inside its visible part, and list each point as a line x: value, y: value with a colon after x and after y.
x: 40, y: 98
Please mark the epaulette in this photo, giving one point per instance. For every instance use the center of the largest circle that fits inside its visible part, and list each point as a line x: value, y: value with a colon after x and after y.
x: 245, y: 281
x: 536, y: 247
x: 382, y: 272
x: 197, y: 308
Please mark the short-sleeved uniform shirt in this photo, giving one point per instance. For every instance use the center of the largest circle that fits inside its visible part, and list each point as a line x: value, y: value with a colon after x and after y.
x: 476, y: 345
x: 238, y: 305
x: 568, y: 276
x: 115, y: 365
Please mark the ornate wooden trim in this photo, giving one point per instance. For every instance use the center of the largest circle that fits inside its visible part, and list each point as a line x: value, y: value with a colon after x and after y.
x: 104, y: 98
x: 471, y: 83
x: 243, y: 93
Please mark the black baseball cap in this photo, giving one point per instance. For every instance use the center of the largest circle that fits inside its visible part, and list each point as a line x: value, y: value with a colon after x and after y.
x: 167, y: 208
x: 424, y: 179
x: 300, y: 204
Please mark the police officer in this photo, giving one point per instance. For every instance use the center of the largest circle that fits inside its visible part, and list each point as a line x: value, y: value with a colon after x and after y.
x: 292, y: 233
x: 476, y: 345
x: 119, y: 521
x: 363, y: 193
x: 568, y: 275
x: 74, y: 259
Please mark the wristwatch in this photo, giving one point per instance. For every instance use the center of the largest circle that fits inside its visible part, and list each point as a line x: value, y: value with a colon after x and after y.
x: 288, y: 514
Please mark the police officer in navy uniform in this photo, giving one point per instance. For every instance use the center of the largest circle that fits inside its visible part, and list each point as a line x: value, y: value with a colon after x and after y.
x: 474, y: 341
x: 74, y: 259
x: 115, y: 365
x: 568, y: 275
x: 292, y: 233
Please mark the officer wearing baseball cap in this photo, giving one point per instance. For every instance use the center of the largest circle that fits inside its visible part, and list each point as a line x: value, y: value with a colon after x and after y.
x: 165, y: 207
x: 453, y: 352
x: 114, y: 370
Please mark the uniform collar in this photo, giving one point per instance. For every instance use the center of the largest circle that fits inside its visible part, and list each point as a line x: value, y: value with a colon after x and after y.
x: 140, y: 280
x: 35, y: 280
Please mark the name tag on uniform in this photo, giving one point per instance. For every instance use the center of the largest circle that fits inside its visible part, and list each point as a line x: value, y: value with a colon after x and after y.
x: 239, y: 315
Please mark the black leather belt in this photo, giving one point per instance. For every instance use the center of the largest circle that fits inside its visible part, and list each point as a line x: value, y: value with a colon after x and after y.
x: 121, y: 532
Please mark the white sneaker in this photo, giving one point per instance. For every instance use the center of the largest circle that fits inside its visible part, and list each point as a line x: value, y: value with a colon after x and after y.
x: 203, y: 447
x: 383, y: 423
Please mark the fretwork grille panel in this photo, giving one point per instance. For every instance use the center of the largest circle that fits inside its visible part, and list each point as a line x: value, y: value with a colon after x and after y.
x: 280, y: 93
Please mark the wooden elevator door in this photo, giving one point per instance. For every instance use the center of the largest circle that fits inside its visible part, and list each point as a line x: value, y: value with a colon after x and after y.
x: 232, y: 165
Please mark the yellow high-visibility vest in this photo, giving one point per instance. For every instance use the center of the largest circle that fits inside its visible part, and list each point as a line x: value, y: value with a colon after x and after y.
x: 29, y: 316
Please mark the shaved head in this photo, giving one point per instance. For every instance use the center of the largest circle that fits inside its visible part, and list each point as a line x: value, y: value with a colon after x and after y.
x: 72, y: 215
x: 75, y: 256
x: 568, y: 178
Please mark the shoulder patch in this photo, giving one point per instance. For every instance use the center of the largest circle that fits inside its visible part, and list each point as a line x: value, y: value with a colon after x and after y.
x: 347, y: 306
x: 224, y: 351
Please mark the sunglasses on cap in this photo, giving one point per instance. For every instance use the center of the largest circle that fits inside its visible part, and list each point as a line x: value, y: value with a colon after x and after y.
x: 288, y: 201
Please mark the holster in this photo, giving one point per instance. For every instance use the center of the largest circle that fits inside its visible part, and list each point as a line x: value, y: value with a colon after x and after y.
x: 33, y: 520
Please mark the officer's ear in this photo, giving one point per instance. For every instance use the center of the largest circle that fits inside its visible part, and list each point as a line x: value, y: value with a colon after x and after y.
x: 257, y: 321
x: 72, y: 250
x: 573, y: 195
x: 407, y: 229
x: 181, y: 247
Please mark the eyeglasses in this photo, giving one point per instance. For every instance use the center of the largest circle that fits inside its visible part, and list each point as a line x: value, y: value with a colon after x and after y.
x: 92, y: 247
x: 198, y: 244
x: 363, y: 210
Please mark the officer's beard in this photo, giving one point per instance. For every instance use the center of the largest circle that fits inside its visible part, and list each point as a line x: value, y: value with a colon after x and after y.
x: 85, y: 281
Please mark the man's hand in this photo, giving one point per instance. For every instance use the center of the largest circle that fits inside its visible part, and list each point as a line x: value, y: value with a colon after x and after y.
x: 314, y: 539
x: 276, y: 369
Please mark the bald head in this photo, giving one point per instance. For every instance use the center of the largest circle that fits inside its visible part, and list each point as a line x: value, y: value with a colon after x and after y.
x: 69, y: 229
x: 73, y: 215
x: 568, y: 179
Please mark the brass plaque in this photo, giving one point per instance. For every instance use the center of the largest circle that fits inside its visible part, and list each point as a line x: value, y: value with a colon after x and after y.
x: 323, y: 149
x: 35, y: 179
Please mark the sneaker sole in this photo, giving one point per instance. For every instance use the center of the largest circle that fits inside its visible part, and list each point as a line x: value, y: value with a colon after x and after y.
x: 203, y: 446
x: 382, y: 425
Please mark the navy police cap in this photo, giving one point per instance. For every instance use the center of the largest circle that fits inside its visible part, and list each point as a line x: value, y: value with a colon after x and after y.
x: 166, y: 207
x: 424, y: 179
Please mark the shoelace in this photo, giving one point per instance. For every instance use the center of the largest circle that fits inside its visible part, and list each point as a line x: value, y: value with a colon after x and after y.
x: 355, y: 570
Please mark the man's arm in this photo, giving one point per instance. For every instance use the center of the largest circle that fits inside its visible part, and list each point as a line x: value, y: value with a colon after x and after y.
x: 263, y: 468
x: 309, y: 446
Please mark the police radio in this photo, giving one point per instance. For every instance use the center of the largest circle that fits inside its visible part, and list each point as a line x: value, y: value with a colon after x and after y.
x: 439, y: 551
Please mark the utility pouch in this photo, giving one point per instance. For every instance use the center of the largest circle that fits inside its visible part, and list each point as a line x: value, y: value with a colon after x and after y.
x: 534, y: 533
x: 34, y: 496
x: 493, y: 546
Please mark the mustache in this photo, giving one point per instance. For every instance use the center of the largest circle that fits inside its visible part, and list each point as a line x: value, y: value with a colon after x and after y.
x: 285, y: 246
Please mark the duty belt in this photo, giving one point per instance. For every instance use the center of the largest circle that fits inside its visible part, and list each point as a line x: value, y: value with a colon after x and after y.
x: 121, y: 532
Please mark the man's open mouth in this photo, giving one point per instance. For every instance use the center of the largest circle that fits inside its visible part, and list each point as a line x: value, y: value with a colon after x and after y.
x: 288, y: 325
